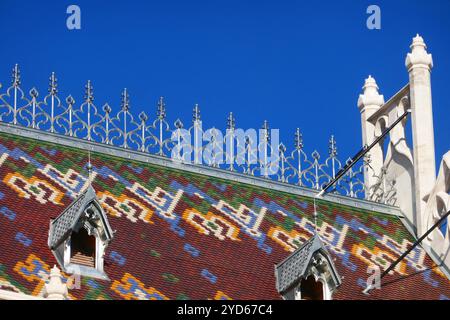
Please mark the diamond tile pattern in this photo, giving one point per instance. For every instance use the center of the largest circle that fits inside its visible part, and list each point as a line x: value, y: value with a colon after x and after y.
x: 218, y: 238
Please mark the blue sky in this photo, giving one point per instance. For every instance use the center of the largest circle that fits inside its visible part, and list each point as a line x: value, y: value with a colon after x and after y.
x: 294, y: 63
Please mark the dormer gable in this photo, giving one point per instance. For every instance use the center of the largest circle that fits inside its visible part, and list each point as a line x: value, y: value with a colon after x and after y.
x: 308, y: 273
x: 78, y: 237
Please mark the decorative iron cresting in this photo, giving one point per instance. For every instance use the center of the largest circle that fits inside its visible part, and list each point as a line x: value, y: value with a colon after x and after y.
x: 154, y: 136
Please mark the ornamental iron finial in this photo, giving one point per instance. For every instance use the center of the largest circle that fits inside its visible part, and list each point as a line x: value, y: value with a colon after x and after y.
x: 315, y: 155
x: 161, y: 111
x: 70, y: 100
x: 265, y: 127
x: 16, y: 75
x: 178, y: 124
x: 298, y: 139
x: 332, y: 149
x: 196, y: 113
x: 89, y: 92
x: 143, y: 116
x: 125, y: 100
x: 231, y: 121
x: 34, y: 93
x: 106, y: 108
x: 53, y: 84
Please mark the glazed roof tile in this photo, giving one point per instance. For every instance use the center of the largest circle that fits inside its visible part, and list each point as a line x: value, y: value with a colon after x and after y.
x: 182, y: 235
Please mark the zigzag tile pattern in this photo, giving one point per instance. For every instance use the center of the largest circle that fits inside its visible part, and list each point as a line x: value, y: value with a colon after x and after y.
x: 186, y: 236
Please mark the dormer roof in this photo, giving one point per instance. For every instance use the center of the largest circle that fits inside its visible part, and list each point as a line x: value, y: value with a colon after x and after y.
x: 64, y: 224
x: 294, y: 268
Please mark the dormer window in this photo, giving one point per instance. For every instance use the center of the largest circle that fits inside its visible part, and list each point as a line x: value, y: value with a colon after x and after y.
x: 308, y: 273
x: 79, y: 236
x: 310, y: 289
x: 82, y: 248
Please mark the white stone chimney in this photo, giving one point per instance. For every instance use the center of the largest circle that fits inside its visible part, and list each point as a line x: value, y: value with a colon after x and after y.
x: 419, y: 64
x: 368, y: 103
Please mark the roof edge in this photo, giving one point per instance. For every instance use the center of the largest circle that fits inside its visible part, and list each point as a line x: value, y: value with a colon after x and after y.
x: 429, y: 250
x: 203, y: 170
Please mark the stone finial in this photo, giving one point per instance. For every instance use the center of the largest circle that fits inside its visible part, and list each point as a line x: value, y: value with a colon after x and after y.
x: 419, y: 57
x: 370, y: 97
x: 55, y: 289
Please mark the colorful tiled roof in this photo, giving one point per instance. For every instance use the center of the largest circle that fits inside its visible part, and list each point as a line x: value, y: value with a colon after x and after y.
x: 181, y: 235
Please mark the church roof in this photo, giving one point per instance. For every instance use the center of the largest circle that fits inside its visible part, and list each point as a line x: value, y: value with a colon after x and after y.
x: 185, y: 235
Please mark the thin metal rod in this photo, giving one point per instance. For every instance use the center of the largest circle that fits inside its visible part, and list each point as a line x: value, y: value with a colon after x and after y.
x: 361, y: 154
x: 315, y: 216
x: 415, y: 244
x: 392, y: 266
